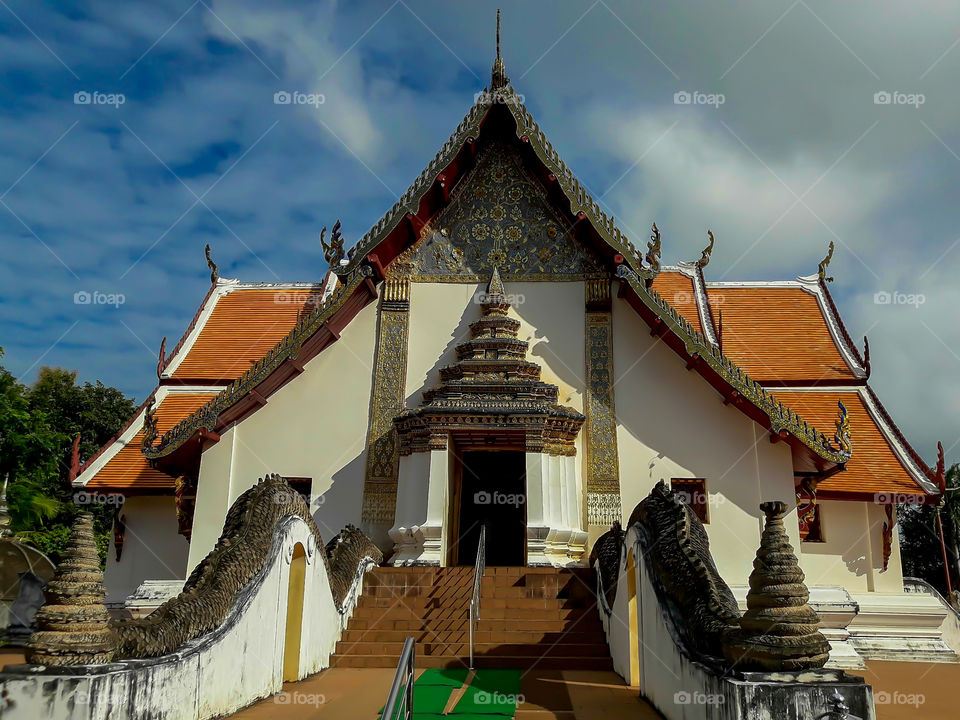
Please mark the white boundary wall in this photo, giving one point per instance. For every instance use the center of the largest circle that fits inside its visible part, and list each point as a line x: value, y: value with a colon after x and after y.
x: 205, y: 679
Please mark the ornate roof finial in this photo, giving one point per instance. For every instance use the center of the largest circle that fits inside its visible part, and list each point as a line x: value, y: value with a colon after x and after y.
x: 822, y: 268
x: 866, y: 356
x: 498, y: 76
x: 4, y: 511
x: 705, y: 254
x: 149, y: 425
x: 214, y: 271
x: 162, y: 357
x: 653, y: 249
x: 941, y: 466
x: 842, y: 435
x: 332, y: 253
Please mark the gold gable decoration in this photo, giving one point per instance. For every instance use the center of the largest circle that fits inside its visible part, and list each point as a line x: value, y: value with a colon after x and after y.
x: 499, y: 217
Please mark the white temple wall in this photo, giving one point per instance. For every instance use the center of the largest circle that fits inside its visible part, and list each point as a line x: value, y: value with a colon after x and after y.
x: 314, y: 427
x: 213, y: 496
x: 551, y: 319
x: 152, y: 549
x: 852, y: 552
x: 672, y: 423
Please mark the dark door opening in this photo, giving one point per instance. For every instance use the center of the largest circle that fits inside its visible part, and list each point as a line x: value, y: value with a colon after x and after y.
x: 493, y: 492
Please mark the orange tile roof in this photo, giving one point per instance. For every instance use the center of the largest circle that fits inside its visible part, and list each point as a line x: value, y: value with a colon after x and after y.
x: 873, y: 467
x: 777, y: 334
x: 129, y: 468
x: 244, y: 325
x: 677, y: 289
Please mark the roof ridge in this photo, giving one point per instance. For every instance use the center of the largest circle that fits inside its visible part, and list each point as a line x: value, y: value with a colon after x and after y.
x: 116, y: 437
x: 287, y: 347
x: 629, y: 267
x: 894, y: 428
x: 183, y: 338
x: 839, y: 320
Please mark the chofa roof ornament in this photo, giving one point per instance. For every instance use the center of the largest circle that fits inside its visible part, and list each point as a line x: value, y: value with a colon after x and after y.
x: 149, y: 425
x: 822, y: 267
x: 498, y: 75
x: 842, y: 435
x: 653, y: 249
x: 333, y: 252
x: 705, y: 253
x: 214, y: 270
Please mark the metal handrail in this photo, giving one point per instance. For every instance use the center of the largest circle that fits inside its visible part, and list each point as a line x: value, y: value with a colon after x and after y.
x: 402, y: 683
x: 479, y: 568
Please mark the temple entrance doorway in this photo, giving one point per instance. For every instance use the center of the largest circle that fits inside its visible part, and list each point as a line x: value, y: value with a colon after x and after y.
x: 490, y: 488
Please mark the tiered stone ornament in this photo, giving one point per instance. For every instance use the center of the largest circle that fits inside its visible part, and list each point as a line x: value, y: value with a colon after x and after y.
x: 492, y: 389
x: 73, y: 625
x: 779, y: 631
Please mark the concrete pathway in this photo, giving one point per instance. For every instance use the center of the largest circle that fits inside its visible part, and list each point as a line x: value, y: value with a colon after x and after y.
x: 903, y: 690
x: 359, y: 693
x: 11, y: 656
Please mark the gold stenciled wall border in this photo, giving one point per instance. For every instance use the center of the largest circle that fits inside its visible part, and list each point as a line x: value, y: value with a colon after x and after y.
x: 387, y: 399
x: 603, y: 465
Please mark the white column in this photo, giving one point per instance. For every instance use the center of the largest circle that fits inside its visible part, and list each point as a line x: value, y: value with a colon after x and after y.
x: 538, y: 523
x: 412, y: 487
x: 432, y: 529
x: 417, y: 532
x: 573, y: 486
x: 554, y: 533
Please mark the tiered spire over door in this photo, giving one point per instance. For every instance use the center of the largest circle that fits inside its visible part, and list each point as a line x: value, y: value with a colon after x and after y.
x: 492, y: 389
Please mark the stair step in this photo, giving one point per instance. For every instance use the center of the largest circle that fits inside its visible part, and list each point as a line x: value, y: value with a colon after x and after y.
x: 463, y: 649
x: 529, y: 617
x: 461, y: 635
x: 481, y: 661
x: 459, y: 601
x: 484, y: 624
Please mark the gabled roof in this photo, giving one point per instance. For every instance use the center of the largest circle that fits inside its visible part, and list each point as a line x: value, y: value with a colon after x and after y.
x: 120, y: 464
x: 677, y: 288
x: 789, y: 336
x: 881, y: 465
x: 779, y: 333
x: 235, y: 325
x: 497, y: 114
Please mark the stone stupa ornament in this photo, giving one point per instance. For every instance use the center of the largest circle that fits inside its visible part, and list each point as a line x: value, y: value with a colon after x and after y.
x: 779, y: 631
x: 73, y: 626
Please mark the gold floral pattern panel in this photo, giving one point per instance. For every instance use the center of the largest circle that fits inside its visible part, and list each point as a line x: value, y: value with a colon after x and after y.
x: 603, y: 467
x: 380, y: 485
x: 499, y: 217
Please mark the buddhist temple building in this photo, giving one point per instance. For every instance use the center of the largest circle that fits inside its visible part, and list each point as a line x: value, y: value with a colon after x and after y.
x: 496, y: 352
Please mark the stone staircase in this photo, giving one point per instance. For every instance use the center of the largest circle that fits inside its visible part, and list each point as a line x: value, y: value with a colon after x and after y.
x: 529, y: 617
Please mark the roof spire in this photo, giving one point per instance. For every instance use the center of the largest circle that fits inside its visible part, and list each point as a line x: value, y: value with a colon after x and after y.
x: 495, y: 286
x: 498, y: 76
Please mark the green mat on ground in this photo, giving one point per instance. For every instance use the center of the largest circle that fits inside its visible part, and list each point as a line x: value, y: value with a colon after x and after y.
x: 428, y: 699
x: 492, y: 692
x: 451, y: 677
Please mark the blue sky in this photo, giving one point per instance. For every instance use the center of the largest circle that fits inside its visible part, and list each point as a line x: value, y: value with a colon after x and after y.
x: 121, y: 198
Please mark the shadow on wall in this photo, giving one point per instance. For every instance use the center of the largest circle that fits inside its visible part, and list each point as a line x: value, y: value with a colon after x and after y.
x: 557, y: 342
x: 340, y: 504
x: 854, y: 558
x: 471, y: 313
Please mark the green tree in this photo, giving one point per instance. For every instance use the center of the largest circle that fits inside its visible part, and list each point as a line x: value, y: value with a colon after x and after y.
x: 920, y: 549
x: 28, y: 456
x: 37, y: 428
